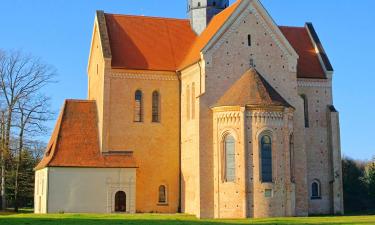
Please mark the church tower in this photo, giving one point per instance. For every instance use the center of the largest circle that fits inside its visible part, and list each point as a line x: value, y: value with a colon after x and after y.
x: 201, y: 12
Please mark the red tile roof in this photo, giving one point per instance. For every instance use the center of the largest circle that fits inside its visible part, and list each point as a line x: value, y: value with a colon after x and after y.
x: 309, y: 65
x: 252, y: 90
x: 150, y: 43
x: 75, y: 141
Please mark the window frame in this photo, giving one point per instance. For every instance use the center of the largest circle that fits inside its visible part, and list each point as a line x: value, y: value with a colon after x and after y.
x: 140, y: 112
x: 157, y: 107
x: 261, y: 166
x: 306, y: 110
x: 165, y: 195
x: 319, y: 190
x: 225, y: 158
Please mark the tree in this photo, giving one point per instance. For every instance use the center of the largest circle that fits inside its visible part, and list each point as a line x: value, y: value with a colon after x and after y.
x: 22, y: 77
x: 370, y: 180
x: 355, y: 189
x: 31, y: 115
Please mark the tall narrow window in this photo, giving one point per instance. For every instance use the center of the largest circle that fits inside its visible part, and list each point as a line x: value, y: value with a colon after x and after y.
x: 306, y: 110
x: 315, y: 190
x: 291, y: 155
x: 187, y: 102
x: 230, y: 161
x: 266, y: 159
x: 138, y: 107
x: 162, y: 194
x: 193, y: 101
x: 155, y: 107
x: 249, y: 40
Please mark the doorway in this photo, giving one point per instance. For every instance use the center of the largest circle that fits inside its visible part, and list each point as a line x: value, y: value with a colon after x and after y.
x: 120, y: 202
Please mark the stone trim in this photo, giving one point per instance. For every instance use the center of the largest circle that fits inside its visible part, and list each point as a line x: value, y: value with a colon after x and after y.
x: 270, y: 118
x: 314, y: 83
x: 103, y: 32
x: 231, y: 117
x: 143, y: 76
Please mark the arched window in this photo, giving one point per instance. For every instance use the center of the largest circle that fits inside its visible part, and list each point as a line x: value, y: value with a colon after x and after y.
x: 155, y: 107
x: 120, y: 202
x: 306, y: 110
x: 291, y: 155
x: 266, y: 159
x: 230, y: 160
x: 138, y: 107
x: 315, y: 190
x: 193, y: 101
x: 162, y: 194
x: 187, y: 102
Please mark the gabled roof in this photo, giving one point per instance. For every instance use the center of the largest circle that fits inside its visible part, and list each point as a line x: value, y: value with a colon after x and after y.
x: 75, y: 141
x: 252, y: 90
x: 165, y: 44
x: 309, y: 65
x: 148, y: 43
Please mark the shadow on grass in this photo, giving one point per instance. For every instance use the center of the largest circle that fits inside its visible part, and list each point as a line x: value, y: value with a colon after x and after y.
x: 76, y: 221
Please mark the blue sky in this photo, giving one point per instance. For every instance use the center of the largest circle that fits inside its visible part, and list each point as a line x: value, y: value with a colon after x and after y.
x: 59, y: 31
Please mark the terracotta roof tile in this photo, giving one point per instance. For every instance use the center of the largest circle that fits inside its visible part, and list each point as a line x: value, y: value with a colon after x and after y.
x: 252, y: 90
x: 75, y: 141
x: 309, y: 65
x: 150, y: 43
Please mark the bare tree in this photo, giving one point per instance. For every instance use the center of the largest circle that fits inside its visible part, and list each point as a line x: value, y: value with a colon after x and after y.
x: 21, y: 78
x: 31, y: 116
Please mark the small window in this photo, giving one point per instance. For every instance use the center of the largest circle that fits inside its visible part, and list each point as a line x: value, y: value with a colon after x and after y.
x: 315, y: 190
x: 193, y: 101
x: 268, y: 193
x: 266, y: 159
x: 291, y: 158
x: 214, y: 3
x: 199, y: 4
x: 230, y: 160
x: 188, y: 102
x: 306, y: 110
x: 249, y: 40
x: 252, y: 62
x: 162, y: 194
x: 155, y: 107
x: 138, y: 107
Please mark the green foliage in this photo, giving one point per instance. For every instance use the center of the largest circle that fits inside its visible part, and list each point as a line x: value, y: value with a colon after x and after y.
x: 26, y: 179
x: 359, y: 186
x: 155, y: 219
x: 370, y: 181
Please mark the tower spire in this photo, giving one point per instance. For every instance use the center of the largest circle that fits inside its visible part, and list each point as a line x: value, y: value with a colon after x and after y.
x: 201, y: 12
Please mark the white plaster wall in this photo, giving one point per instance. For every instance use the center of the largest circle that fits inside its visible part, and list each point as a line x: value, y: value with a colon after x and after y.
x: 89, y: 190
x: 41, y: 191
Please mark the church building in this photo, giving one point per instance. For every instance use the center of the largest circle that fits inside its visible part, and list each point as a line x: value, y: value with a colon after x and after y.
x: 225, y: 114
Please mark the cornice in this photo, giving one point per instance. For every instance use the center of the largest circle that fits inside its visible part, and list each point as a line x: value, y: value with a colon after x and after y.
x: 318, y: 83
x: 144, y: 76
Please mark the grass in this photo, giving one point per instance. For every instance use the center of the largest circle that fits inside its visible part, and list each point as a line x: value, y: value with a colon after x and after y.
x: 157, y: 219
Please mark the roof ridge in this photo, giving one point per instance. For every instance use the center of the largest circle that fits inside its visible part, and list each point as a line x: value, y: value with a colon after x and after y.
x: 150, y: 17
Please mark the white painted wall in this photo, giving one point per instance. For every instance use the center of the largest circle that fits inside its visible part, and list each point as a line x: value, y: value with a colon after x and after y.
x: 88, y: 190
x: 41, y: 190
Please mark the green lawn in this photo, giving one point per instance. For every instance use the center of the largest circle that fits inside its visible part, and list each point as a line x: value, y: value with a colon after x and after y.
x: 156, y: 219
